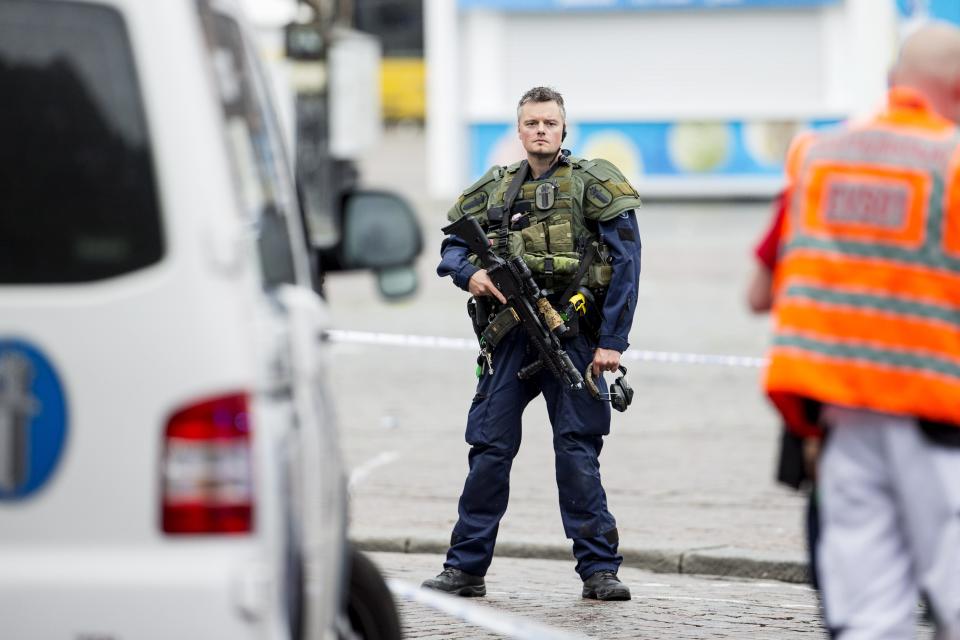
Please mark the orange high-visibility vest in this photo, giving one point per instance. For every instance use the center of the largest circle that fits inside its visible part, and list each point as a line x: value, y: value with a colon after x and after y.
x: 867, y: 284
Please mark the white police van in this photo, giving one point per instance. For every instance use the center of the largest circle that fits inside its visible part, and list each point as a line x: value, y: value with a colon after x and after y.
x: 168, y: 463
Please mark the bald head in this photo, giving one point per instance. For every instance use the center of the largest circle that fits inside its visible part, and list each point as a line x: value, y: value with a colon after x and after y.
x: 929, y: 61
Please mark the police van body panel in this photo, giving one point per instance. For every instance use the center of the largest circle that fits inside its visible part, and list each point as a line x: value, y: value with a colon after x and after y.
x: 168, y: 464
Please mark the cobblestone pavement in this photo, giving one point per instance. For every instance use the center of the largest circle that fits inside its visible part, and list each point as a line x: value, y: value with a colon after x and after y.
x: 663, y: 606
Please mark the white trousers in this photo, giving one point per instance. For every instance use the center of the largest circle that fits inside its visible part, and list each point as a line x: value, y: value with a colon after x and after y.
x: 890, y: 517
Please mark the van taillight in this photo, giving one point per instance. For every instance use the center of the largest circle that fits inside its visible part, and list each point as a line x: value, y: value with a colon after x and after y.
x: 207, y: 475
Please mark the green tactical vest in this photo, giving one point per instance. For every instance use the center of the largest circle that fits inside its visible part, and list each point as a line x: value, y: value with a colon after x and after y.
x: 561, y: 212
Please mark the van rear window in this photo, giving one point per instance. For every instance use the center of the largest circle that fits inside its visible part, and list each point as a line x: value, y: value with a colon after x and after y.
x: 78, y: 200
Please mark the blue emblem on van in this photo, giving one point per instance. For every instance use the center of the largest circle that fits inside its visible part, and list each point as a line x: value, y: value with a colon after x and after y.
x: 33, y: 419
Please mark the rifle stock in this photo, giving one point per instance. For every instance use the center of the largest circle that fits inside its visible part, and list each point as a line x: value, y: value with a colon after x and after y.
x: 538, y: 317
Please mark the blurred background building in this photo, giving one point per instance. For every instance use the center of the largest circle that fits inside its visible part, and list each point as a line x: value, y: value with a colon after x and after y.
x: 399, y: 26
x: 690, y: 98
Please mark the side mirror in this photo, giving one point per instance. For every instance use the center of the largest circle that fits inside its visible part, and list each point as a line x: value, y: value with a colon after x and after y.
x: 381, y: 232
x: 397, y: 283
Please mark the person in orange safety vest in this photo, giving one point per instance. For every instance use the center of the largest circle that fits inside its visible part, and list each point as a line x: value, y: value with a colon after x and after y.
x: 866, y: 299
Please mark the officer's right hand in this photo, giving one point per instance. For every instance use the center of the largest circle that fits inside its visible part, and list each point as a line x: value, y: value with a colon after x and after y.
x: 481, y: 285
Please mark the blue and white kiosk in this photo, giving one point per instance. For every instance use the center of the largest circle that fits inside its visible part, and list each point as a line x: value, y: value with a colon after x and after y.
x: 690, y: 98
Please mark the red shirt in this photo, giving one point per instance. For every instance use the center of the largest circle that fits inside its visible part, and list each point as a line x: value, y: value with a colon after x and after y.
x: 766, y: 249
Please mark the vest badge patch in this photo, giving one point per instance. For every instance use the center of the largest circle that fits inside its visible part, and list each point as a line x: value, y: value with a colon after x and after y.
x: 475, y: 203
x: 599, y: 196
x: 545, y: 196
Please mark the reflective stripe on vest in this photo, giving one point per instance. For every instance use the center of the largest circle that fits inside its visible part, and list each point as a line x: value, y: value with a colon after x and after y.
x: 868, y: 280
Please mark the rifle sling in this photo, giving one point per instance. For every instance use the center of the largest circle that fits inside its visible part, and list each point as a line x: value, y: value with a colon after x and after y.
x: 512, y: 191
x: 515, y: 185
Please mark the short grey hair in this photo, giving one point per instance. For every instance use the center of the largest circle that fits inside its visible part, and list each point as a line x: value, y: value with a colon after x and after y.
x: 542, y: 94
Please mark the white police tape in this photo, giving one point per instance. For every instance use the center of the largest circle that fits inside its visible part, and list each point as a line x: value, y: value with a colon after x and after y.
x: 342, y: 336
x: 494, y: 620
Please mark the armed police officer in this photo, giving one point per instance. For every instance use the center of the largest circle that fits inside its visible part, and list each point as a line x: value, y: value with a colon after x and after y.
x: 572, y: 223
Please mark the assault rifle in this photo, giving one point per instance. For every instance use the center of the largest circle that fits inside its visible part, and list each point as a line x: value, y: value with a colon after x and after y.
x: 539, y: 319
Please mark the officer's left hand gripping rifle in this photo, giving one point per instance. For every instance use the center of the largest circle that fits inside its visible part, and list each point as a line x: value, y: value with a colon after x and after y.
x: 539, y: 319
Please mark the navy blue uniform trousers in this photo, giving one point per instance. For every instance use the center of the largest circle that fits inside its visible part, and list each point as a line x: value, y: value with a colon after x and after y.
x: 494, y: 432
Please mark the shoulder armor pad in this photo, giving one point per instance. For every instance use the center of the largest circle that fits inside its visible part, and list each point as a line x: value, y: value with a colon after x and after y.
x: 580, y: 163
x: 603, y: 170
x: 493, y: 173
x: 474, y: 198
x: 606, y: 193
x: 513, y: 168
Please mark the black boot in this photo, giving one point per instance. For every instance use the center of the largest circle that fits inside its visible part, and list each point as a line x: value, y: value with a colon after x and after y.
x: 605, y: 585
x: 458, y: 583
